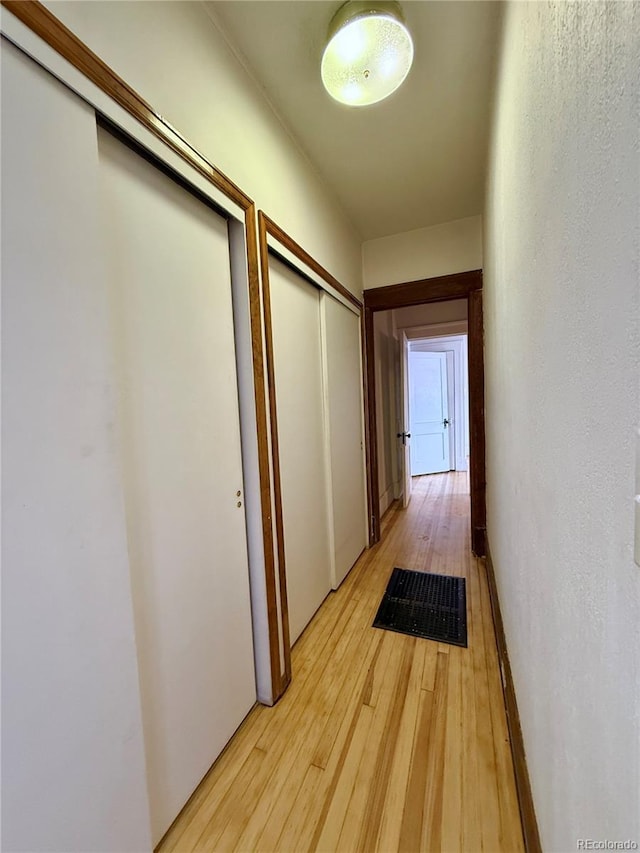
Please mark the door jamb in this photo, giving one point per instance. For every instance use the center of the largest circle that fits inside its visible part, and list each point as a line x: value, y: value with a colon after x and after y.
x: 465, y: 285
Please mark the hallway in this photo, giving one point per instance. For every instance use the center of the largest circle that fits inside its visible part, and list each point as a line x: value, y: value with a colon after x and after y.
x: 383, y: 741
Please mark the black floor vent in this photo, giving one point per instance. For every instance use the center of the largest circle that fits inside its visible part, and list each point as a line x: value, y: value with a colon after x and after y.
x: 425, y: 605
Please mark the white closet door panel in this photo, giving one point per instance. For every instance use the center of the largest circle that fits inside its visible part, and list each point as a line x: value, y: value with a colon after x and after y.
x: 73, y: 775
x: 173, y: 322
x: 344, y: 394
x: 295, y: 306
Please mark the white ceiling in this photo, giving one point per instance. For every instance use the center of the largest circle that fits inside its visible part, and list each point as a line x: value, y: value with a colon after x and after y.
x: 414, y: 160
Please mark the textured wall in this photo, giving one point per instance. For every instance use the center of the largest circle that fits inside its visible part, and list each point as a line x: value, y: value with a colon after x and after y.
x: 426, y: 252
x: 562, y: 352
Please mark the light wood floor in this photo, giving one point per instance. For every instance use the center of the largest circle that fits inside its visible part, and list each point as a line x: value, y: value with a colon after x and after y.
x: 383, y: 742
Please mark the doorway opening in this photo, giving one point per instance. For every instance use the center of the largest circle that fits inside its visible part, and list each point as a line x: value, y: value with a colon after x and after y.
x: 431, y: 330
x: 435, y: 399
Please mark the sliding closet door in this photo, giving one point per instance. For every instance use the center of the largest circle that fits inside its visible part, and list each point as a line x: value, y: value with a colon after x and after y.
x: 173, y: 324
x: 295, y: 306
x: 72, y: 751
x: 345, y: 411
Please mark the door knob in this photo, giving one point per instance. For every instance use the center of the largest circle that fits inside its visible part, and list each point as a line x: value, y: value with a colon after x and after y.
x: 446, y: 422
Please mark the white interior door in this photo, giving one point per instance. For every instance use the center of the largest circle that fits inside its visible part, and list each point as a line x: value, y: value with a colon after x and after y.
x: 343, y: 375
x: 458, y: 388
x: 295, y: 310
x: 429, y: 412
x: 173, y: 324
x: 405, y: 433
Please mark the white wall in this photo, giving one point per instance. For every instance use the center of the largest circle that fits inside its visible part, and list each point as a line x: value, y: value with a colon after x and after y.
x: 177, y: 59
x: 424, y: 253
x: 562, y: 364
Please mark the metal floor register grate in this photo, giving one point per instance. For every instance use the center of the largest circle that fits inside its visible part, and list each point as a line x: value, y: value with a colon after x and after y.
x: 425, y: 605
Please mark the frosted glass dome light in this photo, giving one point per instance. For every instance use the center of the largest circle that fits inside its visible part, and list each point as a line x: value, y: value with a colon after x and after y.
x: 369, y: 52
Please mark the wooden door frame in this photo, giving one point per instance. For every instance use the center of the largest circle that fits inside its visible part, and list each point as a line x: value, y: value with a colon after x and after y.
x: 277, y: 576
x: 465, y: 285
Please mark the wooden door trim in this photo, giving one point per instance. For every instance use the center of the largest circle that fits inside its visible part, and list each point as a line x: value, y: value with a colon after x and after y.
x: 465, y: 285
x: 477, y: 444
x: 371, y: 426
x: 439, y: 289
x: 281, y: 585
x: 54, y: 33
x: 273, y: 230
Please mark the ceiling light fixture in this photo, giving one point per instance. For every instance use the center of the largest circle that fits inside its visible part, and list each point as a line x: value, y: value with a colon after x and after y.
x: 368, y: 54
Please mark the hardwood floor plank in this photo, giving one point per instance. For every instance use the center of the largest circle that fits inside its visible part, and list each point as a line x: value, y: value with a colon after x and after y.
x: 330, y: 825
x: 301, y: 752
x: 386, y: 747
x: 413, y: 810
x: 383, y: 742
x: 395, y: 800
x: 299, y: 817
x: 297, y: 736
x: 337, y: 756
x: 431, y: 836
x: 357, y: 817
x: 452, y: 802
x: 184, y: 833
x: 354, y: 691
x: 204, y: 834
x: 429, y: 670
x: 471, y: 824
